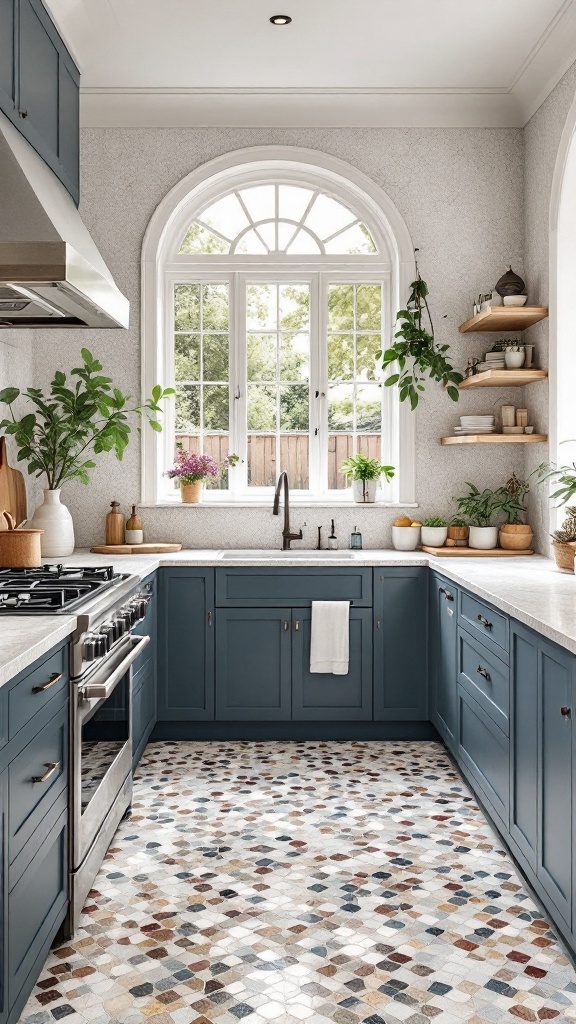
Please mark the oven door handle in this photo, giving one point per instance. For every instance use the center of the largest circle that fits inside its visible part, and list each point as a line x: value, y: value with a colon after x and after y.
x: 101, y: 691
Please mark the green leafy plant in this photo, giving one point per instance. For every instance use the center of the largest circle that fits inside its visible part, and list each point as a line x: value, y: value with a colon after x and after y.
x: 479, y: 507
x: 457, y: 521
x: 359, y: 467
x: 84, y: 417
x: 435, y: 521
x: 566, y: 477
x: 514, y: 493
x: 417, y: 353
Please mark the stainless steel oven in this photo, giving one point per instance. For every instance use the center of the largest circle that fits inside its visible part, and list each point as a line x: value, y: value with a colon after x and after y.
x: 103, y: 653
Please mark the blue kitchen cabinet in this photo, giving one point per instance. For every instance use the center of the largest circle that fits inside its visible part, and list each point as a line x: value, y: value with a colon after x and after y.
x: 401, y: 644
x: 185, y: 688
x: 483, y: 752
x: 253, y: 664
x: 8, y: 50
x: 40, y: 87
x: 556, y: 689
x: 524, y: 739
x: 326, y: 697
x: 444, y: 658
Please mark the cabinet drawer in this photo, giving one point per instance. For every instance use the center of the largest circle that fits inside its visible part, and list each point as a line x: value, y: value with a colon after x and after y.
x: 485, y: 677
x: 280, y: 588
x: 30, y: 798
x: 48, y: 681
x: 483, y: 750
x: 36, y: 908
x: 484, y: 620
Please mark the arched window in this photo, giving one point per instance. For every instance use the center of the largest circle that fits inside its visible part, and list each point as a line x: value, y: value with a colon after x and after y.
x: 269, y: 287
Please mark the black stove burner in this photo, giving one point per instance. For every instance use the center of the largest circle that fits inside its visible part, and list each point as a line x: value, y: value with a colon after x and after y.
x: 51, y: 589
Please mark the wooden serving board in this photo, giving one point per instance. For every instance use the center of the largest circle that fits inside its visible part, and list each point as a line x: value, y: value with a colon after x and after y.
x: 12, y: 490
x: 135, y: 549
x: 474, y: 552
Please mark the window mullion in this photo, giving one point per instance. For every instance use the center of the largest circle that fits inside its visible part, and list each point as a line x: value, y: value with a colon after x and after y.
x: 238, y: 381
x: 319, y: 384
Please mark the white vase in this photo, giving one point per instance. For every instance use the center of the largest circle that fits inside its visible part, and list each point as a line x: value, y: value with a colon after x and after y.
x: 56, y: 521
x: 484, y: 538
x: 514, y: 360
x: 364, y: 491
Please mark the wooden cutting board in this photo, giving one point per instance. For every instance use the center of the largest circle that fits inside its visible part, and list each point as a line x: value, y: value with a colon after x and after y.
x: 135, y: 549
x: 12, y: 490
x: 474, y: 552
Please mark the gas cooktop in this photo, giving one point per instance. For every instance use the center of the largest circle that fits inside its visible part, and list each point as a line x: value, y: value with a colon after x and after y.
x: 52, y: 589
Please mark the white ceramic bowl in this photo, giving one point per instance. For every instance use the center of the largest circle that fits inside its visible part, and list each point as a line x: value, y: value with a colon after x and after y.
x: 405, y: 538
x: 515, y: 300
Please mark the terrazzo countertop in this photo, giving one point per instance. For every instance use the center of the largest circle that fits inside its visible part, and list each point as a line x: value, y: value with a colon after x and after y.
x: 529, y: 589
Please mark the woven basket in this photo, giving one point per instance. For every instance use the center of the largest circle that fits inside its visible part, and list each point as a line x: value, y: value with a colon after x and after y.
x: 564, y: 555
x: 515, y: 537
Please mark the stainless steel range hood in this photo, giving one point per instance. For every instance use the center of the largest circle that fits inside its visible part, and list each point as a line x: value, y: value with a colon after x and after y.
x: 51, y: 273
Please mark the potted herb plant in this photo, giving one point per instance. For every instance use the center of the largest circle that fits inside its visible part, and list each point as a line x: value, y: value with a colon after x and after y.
x: 457, y: 533
x: 365, y: 475
x: 481, y: 508
x: 416, y: 352
x: 193, y: 470
x: 514, y: 534
x: 434, y: 532
x: 63, y: 430
x: 564, y: 539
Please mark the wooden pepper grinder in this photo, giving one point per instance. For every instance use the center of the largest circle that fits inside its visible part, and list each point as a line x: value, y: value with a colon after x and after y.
x: 114, y: 524
x: 134, y: 531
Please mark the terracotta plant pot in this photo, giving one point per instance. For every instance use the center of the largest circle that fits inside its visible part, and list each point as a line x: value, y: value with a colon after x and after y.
x: 515, y: 536
x: 191, y: 493
x: 564, y: 555
x: 459, y: 534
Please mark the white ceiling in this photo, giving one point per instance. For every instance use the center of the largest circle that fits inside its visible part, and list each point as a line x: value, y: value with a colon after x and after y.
x: 339, y: 62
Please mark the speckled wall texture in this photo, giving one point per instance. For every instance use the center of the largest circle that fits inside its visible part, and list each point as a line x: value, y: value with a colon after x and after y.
x: 542, y: 138
x: 461, y: 192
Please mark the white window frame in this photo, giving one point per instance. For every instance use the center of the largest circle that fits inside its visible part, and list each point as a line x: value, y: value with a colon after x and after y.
x: 163, y: 266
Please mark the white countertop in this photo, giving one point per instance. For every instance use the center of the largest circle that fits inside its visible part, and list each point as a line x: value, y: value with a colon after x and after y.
x: 530, y: 589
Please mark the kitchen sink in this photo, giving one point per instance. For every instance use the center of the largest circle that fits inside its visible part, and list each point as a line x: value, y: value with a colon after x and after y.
x: 267, y: 553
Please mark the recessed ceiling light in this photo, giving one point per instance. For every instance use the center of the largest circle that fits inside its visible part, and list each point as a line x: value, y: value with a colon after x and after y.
x: 280, y: 19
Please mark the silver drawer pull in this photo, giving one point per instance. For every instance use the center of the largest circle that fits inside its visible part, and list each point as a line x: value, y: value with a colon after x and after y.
x: 482, y: 672
x: 52, y: 766
x: 447, y: 594
x: 54, y: 678
x: 485, y: 623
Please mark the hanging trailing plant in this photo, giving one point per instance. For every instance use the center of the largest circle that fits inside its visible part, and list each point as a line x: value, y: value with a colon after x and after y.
x: 416, y: 352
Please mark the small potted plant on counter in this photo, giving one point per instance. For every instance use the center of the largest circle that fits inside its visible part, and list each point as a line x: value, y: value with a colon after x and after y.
x: 193, y: 470
x: 481, y: 508
x: 434, y: 532
x: 406, y: 533
x: 564, y: 539
x: 365, y: 475
x: 457, y: 533
x: 514, y: 534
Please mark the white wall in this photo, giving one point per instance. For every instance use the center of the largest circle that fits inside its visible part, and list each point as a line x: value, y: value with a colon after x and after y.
x: 542, y: 137
x: 460, y: 192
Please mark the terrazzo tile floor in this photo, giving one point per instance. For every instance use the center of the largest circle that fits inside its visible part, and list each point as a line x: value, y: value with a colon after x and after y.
x: 306, y: 882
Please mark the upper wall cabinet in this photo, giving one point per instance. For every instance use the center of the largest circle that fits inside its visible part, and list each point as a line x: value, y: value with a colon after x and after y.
x: 39, y: 87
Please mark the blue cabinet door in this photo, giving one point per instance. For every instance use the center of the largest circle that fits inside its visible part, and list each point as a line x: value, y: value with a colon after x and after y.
x: 400, y: 644
x: 556, y: 687
x: 484, y: 752
x: 8, y: 42
x: 47, y: 85
x: 253, y: 664
x: 319, y: 696
x: 186, y: 645
x: 524, y: 736
x: 444, y: 658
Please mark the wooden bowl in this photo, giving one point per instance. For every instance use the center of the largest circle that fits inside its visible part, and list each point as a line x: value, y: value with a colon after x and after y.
x: 515, y: 536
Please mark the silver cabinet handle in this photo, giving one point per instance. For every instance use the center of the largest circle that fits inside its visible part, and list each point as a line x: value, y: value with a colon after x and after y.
x: 482, y: 672
x: 54, y: 678
x: 286, y: 627
x: 485, y: 623
x: 51, y: 766
x: 447, y: 594
x: 209, y: 618
x: 297, y: 625
x: 101, y: 691
x: 378, y: 623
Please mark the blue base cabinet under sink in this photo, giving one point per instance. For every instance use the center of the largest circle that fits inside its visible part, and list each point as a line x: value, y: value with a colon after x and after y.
x: 327, y: 697
x: 253, y: 664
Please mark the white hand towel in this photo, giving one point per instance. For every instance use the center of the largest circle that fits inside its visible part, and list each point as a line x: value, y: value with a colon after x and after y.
x: 330, y: 640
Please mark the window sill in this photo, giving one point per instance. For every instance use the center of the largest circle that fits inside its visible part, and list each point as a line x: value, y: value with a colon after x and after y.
x: 262, y: 503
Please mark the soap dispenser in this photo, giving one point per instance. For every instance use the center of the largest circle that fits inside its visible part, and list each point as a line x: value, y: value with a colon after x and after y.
x: 114, y: 525
x: 134, y: 533
x: 356, y: 539
x: 332, y: 539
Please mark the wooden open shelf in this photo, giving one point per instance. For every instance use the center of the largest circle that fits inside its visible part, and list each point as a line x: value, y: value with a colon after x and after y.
x: 502, y: 379
x: 505, y: 318
x: 495, y: 439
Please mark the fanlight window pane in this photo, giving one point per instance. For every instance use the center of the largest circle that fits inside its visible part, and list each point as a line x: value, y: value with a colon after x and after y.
x: 278, y: 360
x: 289, y: 219
x: 201, y: 361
